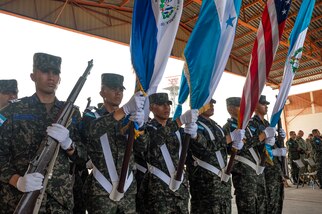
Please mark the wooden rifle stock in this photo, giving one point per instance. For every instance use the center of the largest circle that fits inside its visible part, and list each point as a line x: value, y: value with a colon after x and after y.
x: 126, y: 159
x: 183, y: 156
x: 46, y: 153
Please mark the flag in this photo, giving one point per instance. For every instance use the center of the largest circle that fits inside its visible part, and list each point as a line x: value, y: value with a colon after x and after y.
x: 268, y: 36
x: 294, y: 55
x: 154, y: 27
x: 182, y: 96
x: 208, y: 48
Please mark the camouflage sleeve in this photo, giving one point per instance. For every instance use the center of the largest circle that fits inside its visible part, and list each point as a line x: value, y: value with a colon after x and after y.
x: 101, y: 125
x: 75, y: 135
x: 141, y: 142
x: 6, y: 167
x: 173, y: 126
x: 252, y: 136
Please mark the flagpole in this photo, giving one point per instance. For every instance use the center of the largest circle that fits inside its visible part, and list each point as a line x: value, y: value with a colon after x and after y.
x: 126, y: 159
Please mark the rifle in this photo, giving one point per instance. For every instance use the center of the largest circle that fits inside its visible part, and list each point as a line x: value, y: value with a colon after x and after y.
x: 46, y: 155
x: 88, y: 102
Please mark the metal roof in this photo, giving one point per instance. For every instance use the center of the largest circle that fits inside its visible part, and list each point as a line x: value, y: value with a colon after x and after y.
x: 111, y: 19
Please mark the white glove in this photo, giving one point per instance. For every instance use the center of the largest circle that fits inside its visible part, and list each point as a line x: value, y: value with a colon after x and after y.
x: 279, y: 152
x: 238, y: 145
x: 191, y: 128
x: 30, y: 182
x: 136, y: 103
x: 61, y: 134
x: 270, y: 132
x: 282, y: 133
x: 138, y: 117
x: 237, y: 135
x: 270, y: 141
x: 190, y: 116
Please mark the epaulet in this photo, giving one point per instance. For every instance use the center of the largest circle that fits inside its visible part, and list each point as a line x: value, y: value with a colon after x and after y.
x: 2, y: 119
x: 15, y: 101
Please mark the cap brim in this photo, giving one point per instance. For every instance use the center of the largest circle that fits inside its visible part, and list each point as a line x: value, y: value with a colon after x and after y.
x: 264, y: 103
x: 161, y: 103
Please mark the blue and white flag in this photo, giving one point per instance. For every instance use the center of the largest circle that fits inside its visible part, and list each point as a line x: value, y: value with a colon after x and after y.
x: 182, y: 96
x: 294, y: 55
x: 154, y: 27
x: 208, y: 48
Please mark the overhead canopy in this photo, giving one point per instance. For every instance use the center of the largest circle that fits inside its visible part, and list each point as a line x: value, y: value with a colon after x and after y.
x: 111, y: 19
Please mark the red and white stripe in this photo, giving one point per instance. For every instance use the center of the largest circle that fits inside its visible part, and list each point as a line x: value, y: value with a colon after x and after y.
x: 264, y: 50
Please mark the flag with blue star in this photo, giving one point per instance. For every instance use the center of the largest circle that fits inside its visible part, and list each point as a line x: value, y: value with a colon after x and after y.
x: 207, y: 50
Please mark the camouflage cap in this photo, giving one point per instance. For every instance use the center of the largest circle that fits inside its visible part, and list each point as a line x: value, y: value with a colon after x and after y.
x: 8, y: 86
x: 159, y: 99
x: 46, y: 62
x: 262, y: 100
x: 112, y: 80
x: 233, y: 101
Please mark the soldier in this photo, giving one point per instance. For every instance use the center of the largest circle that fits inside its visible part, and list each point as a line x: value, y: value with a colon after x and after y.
x: 247, y: 174
x: 23, y: 127
x: 303, y: 148
x: 317, y: 145
x: 107, y: 140
x: 273, y: 171
x: 164, y: 193
x: 294, y: 152
x: 8, y: 91
x: 210, y: 191
x: 308, y: 142
x: 112, y: 93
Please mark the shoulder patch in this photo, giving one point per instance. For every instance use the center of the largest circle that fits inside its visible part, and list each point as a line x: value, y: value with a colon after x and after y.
x: 90, y: 114
x: 200, y: 127
x: 2, y: 119
x: 253, y: 129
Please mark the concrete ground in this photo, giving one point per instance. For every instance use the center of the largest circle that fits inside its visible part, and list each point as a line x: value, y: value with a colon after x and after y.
x: 304, y: 200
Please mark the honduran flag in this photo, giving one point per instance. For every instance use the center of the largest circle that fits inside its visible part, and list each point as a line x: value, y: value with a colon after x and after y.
x: 208, y: 48
x: 267, y: 40
x: 182, y: 96
x: 294, y: 55
x: 154, y: 27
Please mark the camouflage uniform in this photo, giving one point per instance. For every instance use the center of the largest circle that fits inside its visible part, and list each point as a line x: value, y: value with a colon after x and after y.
x: 81, y: 171
x: 317, y: 144
x: 272, y: 172
x: 159, y: 198
x: 98, y: 200
x: 208, y: 193
x: 293, y: 154
x: 20, y: 137
x: 249, y: 187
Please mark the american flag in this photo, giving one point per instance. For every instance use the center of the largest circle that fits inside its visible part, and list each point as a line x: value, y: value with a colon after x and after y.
x: 268, y: 36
